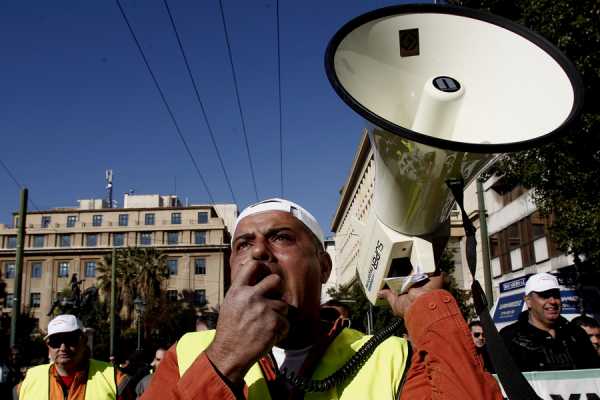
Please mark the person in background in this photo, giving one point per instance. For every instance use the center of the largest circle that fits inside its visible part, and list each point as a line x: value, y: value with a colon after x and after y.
x: 336, y: 313
x: 206, y: 321
x: 591, y: 328
x: 479, y: 341
x: 145, y: 381
x: 542, y: 340
x: 73, y: 375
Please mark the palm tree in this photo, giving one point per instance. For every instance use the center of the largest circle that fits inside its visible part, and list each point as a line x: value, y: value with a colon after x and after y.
x: 140, y: 272
x: 152, y: 272
x: 126, y: 273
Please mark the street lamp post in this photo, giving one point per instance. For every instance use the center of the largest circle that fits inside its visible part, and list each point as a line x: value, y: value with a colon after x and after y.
x: 139, y: 306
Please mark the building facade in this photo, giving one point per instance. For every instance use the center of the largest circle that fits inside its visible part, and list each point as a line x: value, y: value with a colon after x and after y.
x: 60, y: 242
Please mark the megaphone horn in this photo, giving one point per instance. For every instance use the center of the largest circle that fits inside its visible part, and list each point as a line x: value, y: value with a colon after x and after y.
x: 445, y: 89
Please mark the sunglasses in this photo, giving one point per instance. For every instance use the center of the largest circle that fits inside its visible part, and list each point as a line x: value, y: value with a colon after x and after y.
x: 546, y: 294
x: 477, y: 334
x: 69, y: 339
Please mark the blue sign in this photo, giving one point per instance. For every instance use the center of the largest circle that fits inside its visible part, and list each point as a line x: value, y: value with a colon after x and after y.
x: 570, y: 302
x: 509, y: 308
x: 513, y: 284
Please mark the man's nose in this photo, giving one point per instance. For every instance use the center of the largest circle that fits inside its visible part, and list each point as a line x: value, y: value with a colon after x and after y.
x: 260, y: 250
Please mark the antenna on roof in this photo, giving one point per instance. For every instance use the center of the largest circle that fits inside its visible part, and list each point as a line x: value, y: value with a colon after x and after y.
x: 109, y: 187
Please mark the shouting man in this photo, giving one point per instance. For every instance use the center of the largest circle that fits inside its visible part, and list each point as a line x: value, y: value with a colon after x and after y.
x: 269, y: 322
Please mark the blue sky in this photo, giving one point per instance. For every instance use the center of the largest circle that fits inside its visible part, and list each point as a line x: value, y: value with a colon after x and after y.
x: 77, y: 99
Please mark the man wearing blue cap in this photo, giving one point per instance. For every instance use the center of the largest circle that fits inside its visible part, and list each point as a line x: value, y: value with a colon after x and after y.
x: 542, y: 340
x: 269, y: 322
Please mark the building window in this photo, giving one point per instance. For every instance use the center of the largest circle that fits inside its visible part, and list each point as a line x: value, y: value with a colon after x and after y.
x: 199, y: 297
x: 97, y: 220
x: 46, y: 221
x: 172, y: 237
x: 200, y: 266
x: 91, y: 240
x: 521, y: 244
x: 71, y: 219
x: 35, y: 300
x: 10, y: 298
x: 11, y: 242
x: 36, y: 269
x: 146, y: 238
x: 149, y: 219
x: 200, y: 237
x: 10, y: 270
x: 172, y: 265
x: 64, y: 240
x: 123, y: 219
x: 176, y: 218
x: 38, y: 240
x: 172, y: 295
x: 203, y: 217
x: 90, y: 269
x: 63, y: 269
x: 118, y: 239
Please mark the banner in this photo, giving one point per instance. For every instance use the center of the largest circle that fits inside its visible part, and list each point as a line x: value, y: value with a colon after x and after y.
x: 581, y: 384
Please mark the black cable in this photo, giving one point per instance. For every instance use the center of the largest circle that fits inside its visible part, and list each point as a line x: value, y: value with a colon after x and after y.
x: 279, y: 99
x: 210, y: 131
x: 164, y: 100
x: 17, y: 183
x: 237, y: 95
x: 348, y: 370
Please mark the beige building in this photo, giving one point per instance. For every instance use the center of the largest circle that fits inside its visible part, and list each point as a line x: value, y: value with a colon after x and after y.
x: 63, y: 241
x: 356, y: 198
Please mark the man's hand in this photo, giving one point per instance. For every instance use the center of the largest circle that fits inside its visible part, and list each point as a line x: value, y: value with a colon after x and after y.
x: 401, y: 303
x: 251, y: 320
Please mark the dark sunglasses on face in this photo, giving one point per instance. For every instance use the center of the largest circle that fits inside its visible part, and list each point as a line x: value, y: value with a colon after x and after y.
x: 477, y: 334
x: 546, y: 294
x: 69, y: 339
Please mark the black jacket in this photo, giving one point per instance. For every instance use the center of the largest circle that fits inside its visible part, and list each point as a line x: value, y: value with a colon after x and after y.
x: 534, y: 349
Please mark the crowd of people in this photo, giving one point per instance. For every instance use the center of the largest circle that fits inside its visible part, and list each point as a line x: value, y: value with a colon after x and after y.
x: 272, y: 325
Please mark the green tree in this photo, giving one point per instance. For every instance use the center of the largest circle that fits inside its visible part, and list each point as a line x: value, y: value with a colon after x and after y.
x: 564, y: 174
x: 356, y: 301
x: 140, y: 272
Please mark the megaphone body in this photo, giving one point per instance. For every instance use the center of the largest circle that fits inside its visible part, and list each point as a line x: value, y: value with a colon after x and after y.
x: 444, y: 89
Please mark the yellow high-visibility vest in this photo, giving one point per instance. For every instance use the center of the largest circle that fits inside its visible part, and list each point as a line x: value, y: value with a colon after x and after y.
x: 379, y: 378
x: 100, y: 383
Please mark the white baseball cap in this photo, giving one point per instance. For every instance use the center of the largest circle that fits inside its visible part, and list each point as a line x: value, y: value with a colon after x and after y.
x: 63, y: 324
x: 540, y: 283
x: 276, y: 204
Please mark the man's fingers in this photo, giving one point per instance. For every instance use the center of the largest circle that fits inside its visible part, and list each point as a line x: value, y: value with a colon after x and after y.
x: 387, y: 294
x: 270, y: 286
x: 248, y: 273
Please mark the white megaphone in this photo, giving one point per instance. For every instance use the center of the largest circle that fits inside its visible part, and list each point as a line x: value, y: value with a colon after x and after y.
x: 445, y: 89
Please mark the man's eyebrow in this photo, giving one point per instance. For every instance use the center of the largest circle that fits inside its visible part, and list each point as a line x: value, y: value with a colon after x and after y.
x: 268, y: 233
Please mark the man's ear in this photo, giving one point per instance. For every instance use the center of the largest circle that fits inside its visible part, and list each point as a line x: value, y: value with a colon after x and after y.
x: 326, y: 265
x: 528, y: 301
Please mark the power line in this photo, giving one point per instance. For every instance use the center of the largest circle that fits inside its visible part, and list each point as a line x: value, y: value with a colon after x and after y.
x: 187, y: 65
x: 164, y: 100
x: 237, y: 95
x: 17, y: 183
x: 279, y: 98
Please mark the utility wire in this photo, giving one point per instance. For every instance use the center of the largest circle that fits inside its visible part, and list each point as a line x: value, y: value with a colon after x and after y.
x: 210, y: 131
x: 237, y: 95
x: 17, y: 183
x: 279, y: 98
x: 164, y: 100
